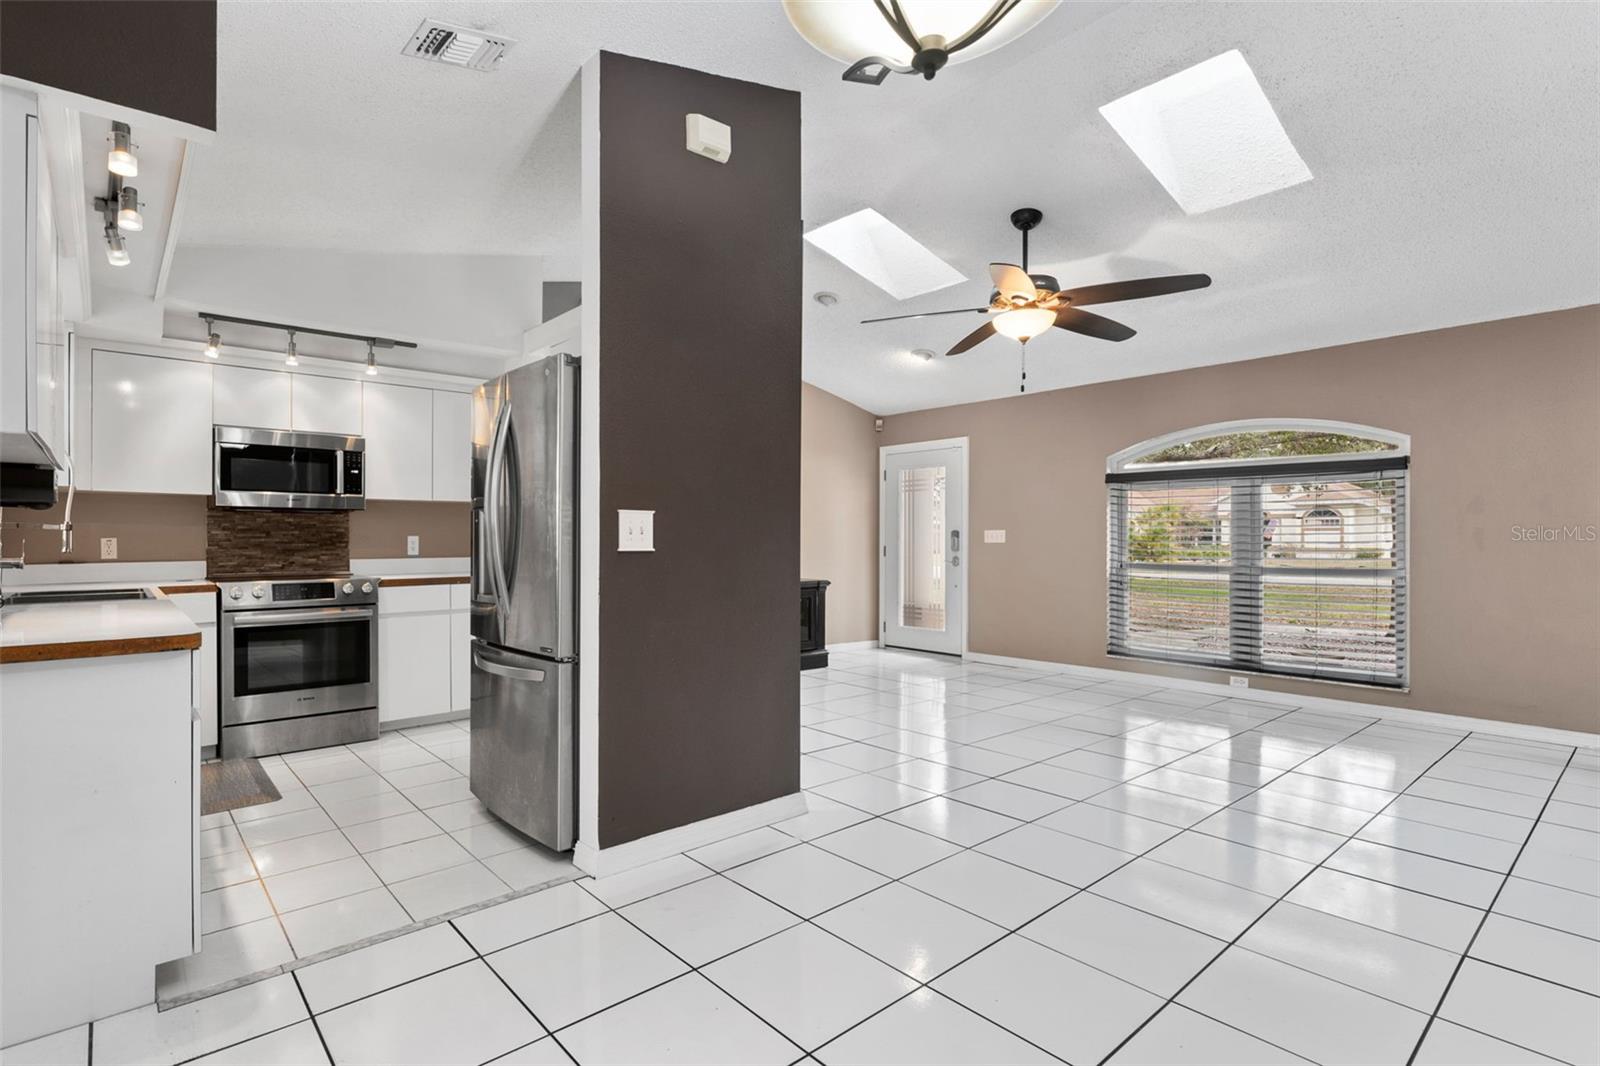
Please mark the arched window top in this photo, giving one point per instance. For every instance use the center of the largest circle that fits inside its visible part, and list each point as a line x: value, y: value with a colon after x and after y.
x: 1260, y: 440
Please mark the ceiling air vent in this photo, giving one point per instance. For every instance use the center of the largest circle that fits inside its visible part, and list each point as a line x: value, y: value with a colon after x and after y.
x: 456, y: 45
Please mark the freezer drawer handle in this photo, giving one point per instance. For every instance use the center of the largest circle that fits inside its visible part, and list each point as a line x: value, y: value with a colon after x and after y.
x: 516, y: 673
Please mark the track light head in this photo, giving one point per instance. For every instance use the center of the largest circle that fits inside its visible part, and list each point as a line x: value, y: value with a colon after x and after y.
x: 290, y: 358
x: 116, y: 251
x: 120, y: 160
x: 213, y: 340
x: 129, y: 220
x: 372, y: 360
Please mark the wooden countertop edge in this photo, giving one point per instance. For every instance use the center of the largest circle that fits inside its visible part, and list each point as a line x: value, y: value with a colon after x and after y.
x: 95, y: 649
x: 179, y: 590
x: 402, y: 582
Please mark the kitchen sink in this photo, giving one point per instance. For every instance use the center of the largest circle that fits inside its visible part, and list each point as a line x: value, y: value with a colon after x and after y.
x: 23, y: 599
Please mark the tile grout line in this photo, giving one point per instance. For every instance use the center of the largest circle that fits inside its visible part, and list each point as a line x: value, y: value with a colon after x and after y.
x: 1281, y: 898
x: 1487, y: 911
x: 311, y: 1016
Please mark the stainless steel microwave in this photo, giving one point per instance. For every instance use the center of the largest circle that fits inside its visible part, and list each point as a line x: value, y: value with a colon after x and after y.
x: 278, y: 469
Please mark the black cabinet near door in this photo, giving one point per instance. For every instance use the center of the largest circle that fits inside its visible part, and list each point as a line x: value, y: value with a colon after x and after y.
x: 813, y: 624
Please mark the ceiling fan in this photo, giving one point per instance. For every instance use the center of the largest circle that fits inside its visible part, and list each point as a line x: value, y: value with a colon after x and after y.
x: 1024, y: 305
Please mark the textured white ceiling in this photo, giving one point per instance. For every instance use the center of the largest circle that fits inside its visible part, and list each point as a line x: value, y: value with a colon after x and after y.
x: 1454, y: 151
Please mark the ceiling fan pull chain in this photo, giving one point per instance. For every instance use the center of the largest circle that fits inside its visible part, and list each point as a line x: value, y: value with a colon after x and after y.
x: 1024, y: 387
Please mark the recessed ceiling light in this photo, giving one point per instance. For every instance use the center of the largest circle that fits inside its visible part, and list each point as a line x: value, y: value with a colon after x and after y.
x: 1209, y: 135
x: 924, y: 354
x: 884, y: 254
x: 826, y: 299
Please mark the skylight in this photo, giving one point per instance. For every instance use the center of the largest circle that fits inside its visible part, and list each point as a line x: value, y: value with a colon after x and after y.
x: 1209, y: 135
x: 884, y: 254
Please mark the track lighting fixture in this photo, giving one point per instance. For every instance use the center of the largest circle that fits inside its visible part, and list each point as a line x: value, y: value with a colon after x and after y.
x: 121, y: 161
x: 291, y: 355
x: 116, y: 251
x: 128, y: 217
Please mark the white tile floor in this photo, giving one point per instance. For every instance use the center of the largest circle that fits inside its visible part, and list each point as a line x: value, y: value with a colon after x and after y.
x: 367, y: 838
x: 998, y: 866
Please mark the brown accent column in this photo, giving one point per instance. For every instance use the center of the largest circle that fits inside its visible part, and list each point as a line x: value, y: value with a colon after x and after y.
x: 699, y: 378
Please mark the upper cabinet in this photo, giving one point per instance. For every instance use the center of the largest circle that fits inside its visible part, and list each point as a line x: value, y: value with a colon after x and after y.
x: 452, y: 446
x: 33, y: 335
x: 399, y: 450
x: 151, y: 424
x: 325, y: 405
x: 241, y: 396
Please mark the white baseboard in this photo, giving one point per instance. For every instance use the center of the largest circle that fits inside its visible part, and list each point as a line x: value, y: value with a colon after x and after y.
x: 854, y: 645
x: 602, y: 862
x: 1409, y: 715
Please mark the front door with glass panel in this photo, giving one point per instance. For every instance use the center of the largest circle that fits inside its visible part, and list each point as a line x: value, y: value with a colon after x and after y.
x: 923, y: 555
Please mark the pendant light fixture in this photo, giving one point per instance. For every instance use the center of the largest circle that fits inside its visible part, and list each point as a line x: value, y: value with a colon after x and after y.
x: 372, y: 360
x: 213, y: 340
x: 882, y: 37
x: 289, y: 356
x: 120, y: 160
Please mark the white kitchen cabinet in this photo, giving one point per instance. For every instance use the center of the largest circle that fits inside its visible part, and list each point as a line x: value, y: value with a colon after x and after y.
x: 460, y: 661
x: 201, y: 607
x: 151, y: 424
x: 398, y: 423
x: 452, y: 445
x: 414, y: 667
x: 33, y: 335
x: 326, y: 405
x: 241, y: 396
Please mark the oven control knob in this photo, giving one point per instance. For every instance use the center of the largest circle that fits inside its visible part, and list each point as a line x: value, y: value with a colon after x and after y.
x: 235, y: 593
x: 348, y: 588
x: 366, y: 586
x: 259, y: 591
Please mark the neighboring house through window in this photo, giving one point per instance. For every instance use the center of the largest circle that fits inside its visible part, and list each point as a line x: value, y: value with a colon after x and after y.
x: 1273, y: 546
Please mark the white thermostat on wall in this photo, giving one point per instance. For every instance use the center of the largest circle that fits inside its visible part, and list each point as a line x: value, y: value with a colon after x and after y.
x: 708, y: 137
x: 636, y: 531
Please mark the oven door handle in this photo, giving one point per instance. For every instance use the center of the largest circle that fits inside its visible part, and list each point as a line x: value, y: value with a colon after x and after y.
x: 241, y: 619
x: 515, y: 673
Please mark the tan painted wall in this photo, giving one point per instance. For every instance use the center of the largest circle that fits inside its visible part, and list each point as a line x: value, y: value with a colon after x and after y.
x: 1504, y: 420
x: 839, y: 510
x: 157, y: 528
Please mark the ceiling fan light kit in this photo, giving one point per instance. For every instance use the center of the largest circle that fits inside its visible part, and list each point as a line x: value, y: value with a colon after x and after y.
x: 1024, y: 305
x: 882, y: 37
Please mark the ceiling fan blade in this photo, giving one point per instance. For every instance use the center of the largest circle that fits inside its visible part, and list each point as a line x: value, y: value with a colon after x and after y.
x: 1013, y: 282
x: 1092, y: 325
x: 930, y: 314
x: 973, y: 339
x: 1137, y: 289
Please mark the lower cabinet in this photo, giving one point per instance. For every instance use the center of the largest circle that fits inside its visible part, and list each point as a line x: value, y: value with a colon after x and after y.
x: 201, y: 607
x: 423, y: 668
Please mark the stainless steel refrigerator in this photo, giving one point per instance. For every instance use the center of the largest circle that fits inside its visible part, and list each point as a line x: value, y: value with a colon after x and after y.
x: 524, y: 576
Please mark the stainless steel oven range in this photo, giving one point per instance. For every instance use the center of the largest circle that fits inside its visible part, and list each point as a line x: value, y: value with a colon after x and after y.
x: 298, y: 663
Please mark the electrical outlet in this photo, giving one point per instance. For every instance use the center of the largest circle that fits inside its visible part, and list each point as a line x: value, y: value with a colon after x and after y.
x: 1238, y: 682
x: 994, y: 536
x: 108, y: 547
x: 636, y: 531
x: 413, y: 545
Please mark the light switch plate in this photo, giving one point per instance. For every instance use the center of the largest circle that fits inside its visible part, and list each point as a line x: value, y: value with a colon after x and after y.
x: 413, y: 545
x: 994, y: 536
x: 108, y: 547
x: 1238, y: 682
x: 636, y: 531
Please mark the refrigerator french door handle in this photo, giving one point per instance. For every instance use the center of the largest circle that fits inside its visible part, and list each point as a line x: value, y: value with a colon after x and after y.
x: 515, y: 673
x: 492, y: 503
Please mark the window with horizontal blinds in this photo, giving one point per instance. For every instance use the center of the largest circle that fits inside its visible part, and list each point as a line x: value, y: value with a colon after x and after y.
x: 1294, y: 568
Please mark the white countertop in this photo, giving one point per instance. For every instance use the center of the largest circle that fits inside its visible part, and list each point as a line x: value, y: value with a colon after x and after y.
x: 89, y: 623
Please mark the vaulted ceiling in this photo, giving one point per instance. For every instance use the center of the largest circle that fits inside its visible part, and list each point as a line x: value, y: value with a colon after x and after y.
x: 1453, y: 150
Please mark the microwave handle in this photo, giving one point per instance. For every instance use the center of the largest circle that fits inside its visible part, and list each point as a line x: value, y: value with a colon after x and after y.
x: 338, y: 472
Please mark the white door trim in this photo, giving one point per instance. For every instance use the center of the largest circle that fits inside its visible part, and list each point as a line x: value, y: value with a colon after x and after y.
x: 884, y: 451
